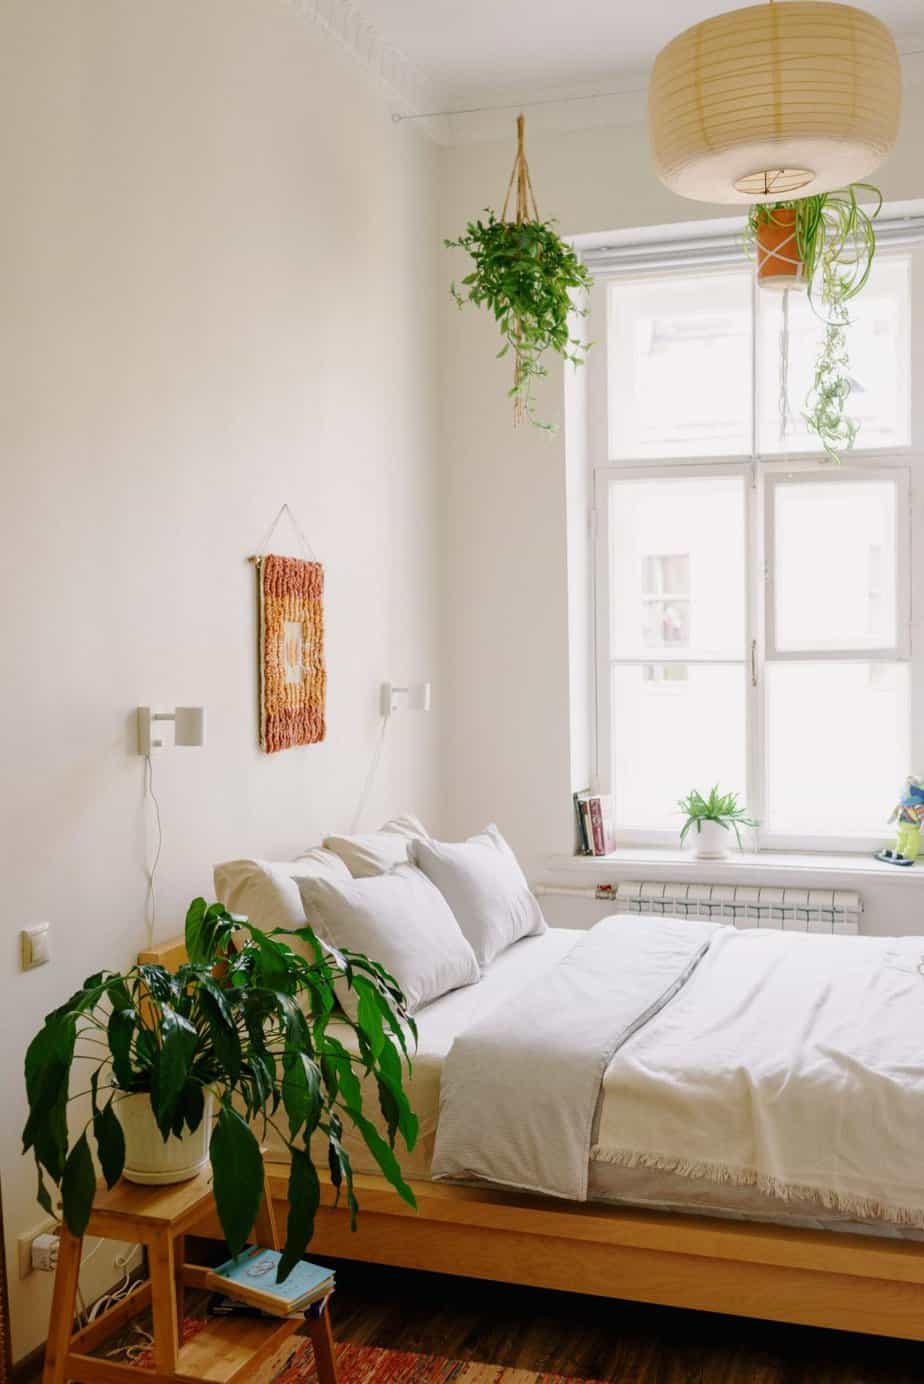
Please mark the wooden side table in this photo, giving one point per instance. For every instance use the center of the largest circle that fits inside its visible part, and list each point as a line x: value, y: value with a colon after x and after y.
x: 226, y: 1349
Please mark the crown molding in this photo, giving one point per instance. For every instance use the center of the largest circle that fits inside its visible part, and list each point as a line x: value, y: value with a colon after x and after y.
x: 397, y: 77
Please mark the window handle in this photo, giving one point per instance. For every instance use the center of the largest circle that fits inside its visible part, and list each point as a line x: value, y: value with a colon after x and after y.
x: 753, y: 662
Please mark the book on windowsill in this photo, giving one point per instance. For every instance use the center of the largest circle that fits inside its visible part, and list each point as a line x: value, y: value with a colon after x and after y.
x: 596, y: 823
x: 251, y: 1277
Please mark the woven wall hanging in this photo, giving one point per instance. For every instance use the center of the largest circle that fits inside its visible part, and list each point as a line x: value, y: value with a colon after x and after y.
x: 293, y: 679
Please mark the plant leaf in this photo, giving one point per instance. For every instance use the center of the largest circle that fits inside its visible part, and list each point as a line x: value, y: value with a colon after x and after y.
x: 110, y: 1143
x: 237, y: 1173
x: 78, y: 1186
x: 304, y: 1197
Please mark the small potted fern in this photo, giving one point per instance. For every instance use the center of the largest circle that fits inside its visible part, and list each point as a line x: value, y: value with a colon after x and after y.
x: 713, y: 817
x: 247, y: 1027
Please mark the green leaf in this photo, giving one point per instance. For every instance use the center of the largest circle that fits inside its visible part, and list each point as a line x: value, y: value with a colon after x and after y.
x: 78, y: 1186
x: 301, y: 1093
x: 120, y: 1032
x: 42, y: 1195
x: 171, y: 1067
x: 192, y: 1105
x: 383, y: 1155
x: 304, y: 1197
x: 110, y: 1143
x: 237, y: 1174
x: 47, y: 1070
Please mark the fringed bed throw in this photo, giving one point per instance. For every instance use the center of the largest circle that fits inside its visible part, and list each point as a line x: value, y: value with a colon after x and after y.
x: 293, y: 681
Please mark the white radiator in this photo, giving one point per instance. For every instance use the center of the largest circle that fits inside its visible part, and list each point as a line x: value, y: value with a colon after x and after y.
x: 745, y: 905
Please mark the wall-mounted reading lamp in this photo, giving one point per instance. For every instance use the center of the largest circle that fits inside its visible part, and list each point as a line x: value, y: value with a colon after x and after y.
x: 415, y: 697
x: 188, y: 727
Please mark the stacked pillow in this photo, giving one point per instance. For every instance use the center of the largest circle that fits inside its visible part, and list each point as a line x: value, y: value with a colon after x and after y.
x: 483, y: 884
x: 434, y: 914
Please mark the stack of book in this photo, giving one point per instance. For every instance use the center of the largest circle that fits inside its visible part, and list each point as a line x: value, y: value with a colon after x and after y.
x: 596, y: 830
x: 251, y: 1279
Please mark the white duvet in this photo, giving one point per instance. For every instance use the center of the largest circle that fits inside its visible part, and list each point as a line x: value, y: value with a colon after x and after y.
x: 790, y: 1062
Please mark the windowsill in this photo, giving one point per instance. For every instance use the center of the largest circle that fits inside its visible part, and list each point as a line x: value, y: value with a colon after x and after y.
x: 739, y: 867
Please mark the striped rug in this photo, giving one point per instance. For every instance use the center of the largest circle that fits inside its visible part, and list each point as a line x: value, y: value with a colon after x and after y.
x: 372, y: 1365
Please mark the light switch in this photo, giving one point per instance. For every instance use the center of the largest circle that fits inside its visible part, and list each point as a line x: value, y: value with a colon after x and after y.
x: 35, y: 946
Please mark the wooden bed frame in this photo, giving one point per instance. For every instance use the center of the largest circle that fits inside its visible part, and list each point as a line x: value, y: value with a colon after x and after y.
x: 746, y: 1268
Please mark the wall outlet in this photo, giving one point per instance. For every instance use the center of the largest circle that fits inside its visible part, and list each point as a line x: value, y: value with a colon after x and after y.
x: 24, y: 1243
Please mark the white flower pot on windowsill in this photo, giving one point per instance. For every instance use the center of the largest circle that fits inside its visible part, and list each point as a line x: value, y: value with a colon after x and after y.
x: 150, y: 1159
x: 708, y: 840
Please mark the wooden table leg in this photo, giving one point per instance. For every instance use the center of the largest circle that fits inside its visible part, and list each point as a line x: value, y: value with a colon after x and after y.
x: 179, y: 1259
x: 323, y: 1344
x: 162, y: 1268
x: 63, y: 1300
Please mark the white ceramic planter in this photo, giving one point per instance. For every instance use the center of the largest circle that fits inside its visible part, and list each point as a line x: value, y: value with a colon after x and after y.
x: 148, y: 1158
x: 710, y: 842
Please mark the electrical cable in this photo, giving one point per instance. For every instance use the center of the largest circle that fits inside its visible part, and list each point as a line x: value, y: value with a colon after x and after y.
x: 370, y: 776
x: 150, y: 902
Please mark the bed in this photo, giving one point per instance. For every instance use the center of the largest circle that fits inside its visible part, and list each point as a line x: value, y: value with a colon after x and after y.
x: 734, y: 1248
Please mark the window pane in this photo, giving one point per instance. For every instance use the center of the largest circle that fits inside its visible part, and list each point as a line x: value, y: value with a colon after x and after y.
x: 838, y: 746
x: 677, y: 566
x: 679, y: 361
x: 835, y: 564
x: 878, y: 346
x: 675, y: 727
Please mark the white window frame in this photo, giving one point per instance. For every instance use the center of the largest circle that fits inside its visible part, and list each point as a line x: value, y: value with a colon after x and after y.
x: 761, y: 473
x: 759, y: 482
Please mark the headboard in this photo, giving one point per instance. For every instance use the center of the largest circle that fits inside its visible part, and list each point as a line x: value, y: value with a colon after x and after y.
x: 170, y: 954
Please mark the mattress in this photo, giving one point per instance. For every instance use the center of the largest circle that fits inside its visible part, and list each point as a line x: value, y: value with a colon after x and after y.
x: 439, y: 1023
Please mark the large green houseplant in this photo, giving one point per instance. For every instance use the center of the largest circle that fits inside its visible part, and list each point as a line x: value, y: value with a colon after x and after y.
x: 834, y: 238
x: 252, y: 1024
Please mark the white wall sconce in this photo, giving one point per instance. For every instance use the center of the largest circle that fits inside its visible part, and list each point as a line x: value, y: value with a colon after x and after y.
x: 415, y: 697
x: 188, y: 727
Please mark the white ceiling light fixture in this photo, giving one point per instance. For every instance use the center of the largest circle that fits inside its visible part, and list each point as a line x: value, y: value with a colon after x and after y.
x: 777, y: 100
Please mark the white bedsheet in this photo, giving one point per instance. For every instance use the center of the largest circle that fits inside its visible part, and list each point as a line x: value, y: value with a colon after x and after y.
x: 437, y: 1026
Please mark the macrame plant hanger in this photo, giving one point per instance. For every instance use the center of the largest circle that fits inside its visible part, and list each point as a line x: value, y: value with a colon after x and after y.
x: 526, y: 210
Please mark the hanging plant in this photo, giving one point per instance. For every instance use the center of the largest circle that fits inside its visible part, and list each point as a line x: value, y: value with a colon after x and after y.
x: 828, y: 243
x: 524, y: 273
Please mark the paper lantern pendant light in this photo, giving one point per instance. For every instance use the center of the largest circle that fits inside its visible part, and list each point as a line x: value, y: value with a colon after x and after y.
x: 776, y: 100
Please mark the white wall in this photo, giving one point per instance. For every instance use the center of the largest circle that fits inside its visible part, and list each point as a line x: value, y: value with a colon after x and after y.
x: 510, y: 526
x: 218, y: 269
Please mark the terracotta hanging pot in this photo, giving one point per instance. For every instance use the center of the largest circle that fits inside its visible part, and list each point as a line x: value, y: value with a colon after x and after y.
x: 779, y: 263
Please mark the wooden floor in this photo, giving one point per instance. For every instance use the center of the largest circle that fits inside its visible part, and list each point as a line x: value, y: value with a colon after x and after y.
x: 591, y: 1338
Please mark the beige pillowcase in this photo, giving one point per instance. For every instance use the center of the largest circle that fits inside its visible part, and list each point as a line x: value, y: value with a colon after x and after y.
x: 266, y: 891
x: 375, y: 852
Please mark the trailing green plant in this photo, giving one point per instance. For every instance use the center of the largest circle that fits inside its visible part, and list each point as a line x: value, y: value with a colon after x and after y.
x: 252, y: 1024
x: 716, y: 807
x: 524, y: 273
x: 836, y: 240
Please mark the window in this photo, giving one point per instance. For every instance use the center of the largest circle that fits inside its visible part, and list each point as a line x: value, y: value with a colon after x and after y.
x: 753, y: 599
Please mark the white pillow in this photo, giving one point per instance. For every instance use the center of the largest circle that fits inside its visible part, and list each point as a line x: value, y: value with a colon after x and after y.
x: 400, y: 920
x: 378, y: 851
x: 483, y: 884
x: 266, y: 891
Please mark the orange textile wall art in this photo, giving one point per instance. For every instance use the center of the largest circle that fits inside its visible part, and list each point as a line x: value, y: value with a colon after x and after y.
x: 293, y: 681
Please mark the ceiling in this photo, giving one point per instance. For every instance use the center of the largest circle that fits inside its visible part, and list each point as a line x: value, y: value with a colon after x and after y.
x: 471, y: 48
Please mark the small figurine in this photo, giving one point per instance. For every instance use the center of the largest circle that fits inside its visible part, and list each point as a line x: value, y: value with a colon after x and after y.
x: 909, y: 814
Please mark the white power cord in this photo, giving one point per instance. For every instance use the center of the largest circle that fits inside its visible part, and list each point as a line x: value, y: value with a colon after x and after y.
x: 150, y: 903
x: 370, y: 776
